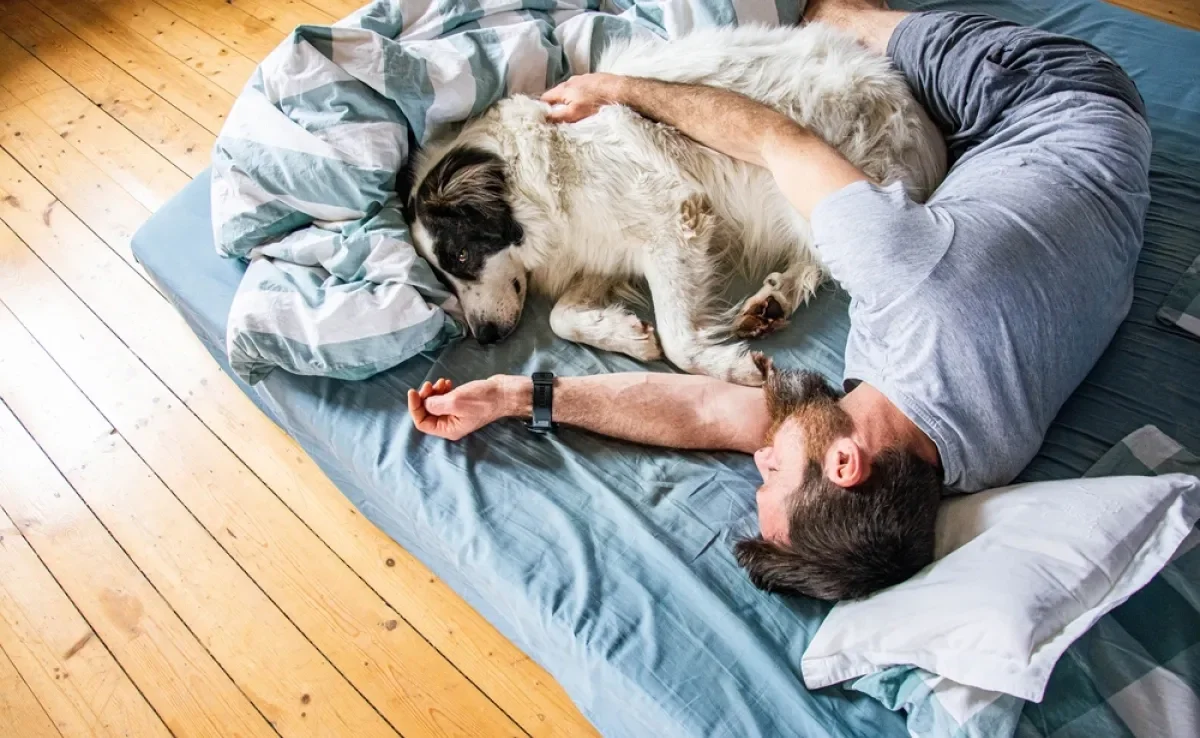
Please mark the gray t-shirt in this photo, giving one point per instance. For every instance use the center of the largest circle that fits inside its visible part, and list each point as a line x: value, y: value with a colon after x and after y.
x: 979, y: 312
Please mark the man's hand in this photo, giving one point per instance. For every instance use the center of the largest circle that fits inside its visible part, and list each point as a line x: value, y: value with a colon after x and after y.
x: 582, y: 97
x: 440, y: 410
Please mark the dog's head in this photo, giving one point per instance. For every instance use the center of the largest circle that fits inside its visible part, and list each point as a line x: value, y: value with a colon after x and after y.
x: 464, y: 226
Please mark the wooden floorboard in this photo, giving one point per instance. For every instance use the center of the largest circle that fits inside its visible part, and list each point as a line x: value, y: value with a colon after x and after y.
x: 171, y: 563
x: 169, y: 131
x: 20, y: 712
x: 71, y: 674
x: 154, y: 331
x: 124, y: 612
x: 334, y: 609
x: 1184, y: 13
x: 223, y: 65
x: 193, y: 94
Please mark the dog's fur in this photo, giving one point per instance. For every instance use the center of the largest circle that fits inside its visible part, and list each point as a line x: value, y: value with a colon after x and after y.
x: 583, y: 211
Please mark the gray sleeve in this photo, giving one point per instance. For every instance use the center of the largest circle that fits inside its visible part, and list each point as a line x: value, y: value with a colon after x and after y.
x: 876, y: 242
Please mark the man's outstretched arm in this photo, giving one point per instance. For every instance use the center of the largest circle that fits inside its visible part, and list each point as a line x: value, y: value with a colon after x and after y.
x: 671, y: 410
x: 806, y: 168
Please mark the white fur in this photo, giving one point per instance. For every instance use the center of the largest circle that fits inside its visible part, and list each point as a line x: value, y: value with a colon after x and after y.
x: 615, y: 198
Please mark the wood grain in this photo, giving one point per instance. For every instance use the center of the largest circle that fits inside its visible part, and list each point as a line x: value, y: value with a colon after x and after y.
x: 193, y: 94
x: 124, y: 158
x: 22, y: 77
x: 20, y: 712
x: 283, y: 15
x: 279, y: 669
x: 360, y: 634
x: 221, y: 64
x: 232, y: 26
x: 69, y: 671
x: 1184, y: 13
x: 109, y: 209
x: 177, y: 137
x: 178, y: 677
x: 156, y: 334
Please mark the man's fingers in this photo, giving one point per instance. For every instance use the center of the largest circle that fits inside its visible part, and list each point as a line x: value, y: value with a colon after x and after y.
x: 415, y: 407
x: 569, y: 113
x: 440, y: 405
x: 554, y: 95
x: 416, y: 410
x: 425, y: 391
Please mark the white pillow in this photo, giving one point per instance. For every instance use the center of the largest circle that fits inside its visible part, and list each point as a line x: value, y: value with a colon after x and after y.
x: 1021, y: 573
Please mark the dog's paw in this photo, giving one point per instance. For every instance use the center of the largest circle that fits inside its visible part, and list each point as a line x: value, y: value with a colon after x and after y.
x: 732, y: 362
x: 762, y: 313
x: 638, y: 340
x: 749, y: 370
x: 695, y: 216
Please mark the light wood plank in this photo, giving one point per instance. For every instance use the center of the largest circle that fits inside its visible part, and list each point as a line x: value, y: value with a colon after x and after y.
x: 21, y: 77
x: 126, y: 159
x: 104, y: 205
x: 20, y: 712
x: 281, y: 672
x: 225, y: 66
x: 283, y: 15
x: 156, y: 334
x: 188, y: 690
x: 170, y: 132
x: 337, y: 8
x: 232, y: 26
x: 68, y: 669
x: 190, y: 92
x: 7, y: 100
x: 1184, y: 13
x: 362, y: 636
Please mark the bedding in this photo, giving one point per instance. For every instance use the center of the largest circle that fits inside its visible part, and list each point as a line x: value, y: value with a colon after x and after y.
x: 1021, y: 572
x: 1152, y: 701
x: 610, y: 564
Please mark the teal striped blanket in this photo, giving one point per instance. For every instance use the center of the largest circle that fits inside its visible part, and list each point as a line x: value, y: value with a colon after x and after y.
x: 305, y: 170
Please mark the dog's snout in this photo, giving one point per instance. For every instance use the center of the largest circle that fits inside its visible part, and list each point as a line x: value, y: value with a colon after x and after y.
x: 488, y: 333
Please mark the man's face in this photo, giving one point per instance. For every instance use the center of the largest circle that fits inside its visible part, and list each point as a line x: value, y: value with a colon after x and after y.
x: 805, y: 421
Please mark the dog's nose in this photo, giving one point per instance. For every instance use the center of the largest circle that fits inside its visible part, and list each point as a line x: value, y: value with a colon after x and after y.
x: 488, y: 333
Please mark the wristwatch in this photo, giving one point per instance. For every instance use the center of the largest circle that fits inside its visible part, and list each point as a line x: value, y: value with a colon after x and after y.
x: 542, y: 419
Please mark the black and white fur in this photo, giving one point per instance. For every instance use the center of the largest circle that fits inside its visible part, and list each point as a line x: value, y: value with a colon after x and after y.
x: 582, y: 212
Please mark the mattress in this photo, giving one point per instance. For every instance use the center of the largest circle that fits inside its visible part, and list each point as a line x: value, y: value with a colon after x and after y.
x: 610, y: 564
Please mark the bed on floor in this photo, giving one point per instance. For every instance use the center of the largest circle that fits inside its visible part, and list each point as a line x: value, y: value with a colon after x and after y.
x: 610, y: 564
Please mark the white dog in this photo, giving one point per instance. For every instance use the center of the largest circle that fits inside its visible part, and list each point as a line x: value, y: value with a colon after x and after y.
x: 582, y: 212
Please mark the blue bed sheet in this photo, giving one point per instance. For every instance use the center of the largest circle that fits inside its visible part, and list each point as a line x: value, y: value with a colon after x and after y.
x: 610, y: 564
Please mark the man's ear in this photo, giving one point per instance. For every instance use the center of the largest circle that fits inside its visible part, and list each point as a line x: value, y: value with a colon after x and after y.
x: 846, y: 464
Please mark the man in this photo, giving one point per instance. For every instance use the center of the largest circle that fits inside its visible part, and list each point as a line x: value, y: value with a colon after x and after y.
x: 973, y: 316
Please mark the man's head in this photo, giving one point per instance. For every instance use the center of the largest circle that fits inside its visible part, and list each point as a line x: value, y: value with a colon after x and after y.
x: 837, y: 522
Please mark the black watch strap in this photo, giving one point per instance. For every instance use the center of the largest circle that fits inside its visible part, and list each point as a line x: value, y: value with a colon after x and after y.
x: 542, y: 420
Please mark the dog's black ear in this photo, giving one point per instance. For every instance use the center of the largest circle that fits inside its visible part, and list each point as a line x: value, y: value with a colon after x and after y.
x: 466, y: 179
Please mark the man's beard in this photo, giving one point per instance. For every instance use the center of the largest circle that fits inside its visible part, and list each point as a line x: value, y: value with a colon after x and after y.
x: 810, y: 401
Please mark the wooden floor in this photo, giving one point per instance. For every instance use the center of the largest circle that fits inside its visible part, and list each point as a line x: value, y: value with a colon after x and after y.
x: 170, y: 562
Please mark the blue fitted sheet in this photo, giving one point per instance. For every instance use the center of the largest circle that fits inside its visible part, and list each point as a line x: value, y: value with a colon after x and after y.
x: 610, y: 563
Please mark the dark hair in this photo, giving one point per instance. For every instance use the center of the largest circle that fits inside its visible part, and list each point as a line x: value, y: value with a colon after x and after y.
x: 846, y: 543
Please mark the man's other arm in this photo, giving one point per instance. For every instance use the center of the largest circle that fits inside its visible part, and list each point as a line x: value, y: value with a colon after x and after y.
x: 670, y: 410
x: 805, y: 167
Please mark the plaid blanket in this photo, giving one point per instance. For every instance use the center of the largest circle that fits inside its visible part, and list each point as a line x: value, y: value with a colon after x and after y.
x: 1135, y: 673
x: 1182, y: 306
x: 305, y: 169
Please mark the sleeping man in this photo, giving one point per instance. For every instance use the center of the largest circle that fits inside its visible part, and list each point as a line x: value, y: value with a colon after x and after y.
x: 972, y: 317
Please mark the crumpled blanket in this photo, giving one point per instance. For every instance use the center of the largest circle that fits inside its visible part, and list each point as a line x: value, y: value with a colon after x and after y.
x: 305, y: 171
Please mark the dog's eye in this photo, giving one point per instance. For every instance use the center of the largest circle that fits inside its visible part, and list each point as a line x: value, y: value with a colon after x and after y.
x: 462, y: 256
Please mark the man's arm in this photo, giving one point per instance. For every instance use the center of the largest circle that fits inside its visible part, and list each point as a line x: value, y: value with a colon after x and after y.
x: 671, y: 410
x: 806, y: 168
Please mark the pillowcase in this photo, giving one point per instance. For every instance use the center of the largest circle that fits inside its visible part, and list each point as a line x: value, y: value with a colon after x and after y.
x: 1021, y: 572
